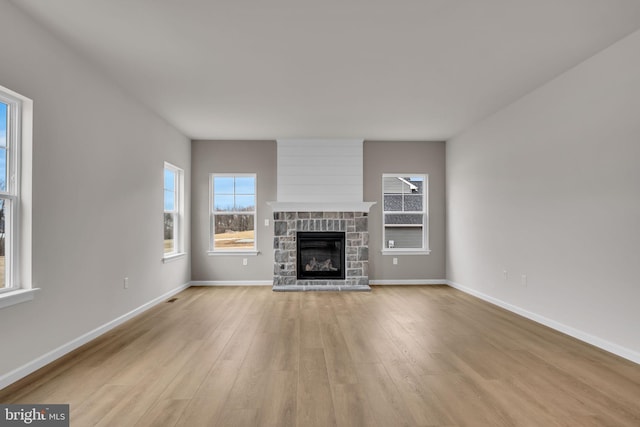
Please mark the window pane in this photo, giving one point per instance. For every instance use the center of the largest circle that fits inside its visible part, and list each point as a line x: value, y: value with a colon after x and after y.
x: 222, y: 203
x: 245, y: 185
x: 403, y: 184
x: 3, y: 169
x: 392, y: 202
x: 403, y: 237
x: 169, y: 233
x: 169, y: 180
x: 223, y: 185
x: 169, y: 200
x: 172, y: 226
x: 416, y: 184
x: 392, y: 185
x: 245, y: 203
x: 413, y: 202
x: 4, y: 111
x: 403, y: 219
x: 3, y: 242
x: 231, y: 230
x: 234, y: 232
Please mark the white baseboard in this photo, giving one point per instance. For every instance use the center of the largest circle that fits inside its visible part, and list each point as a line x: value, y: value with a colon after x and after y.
x: 616, y: 349
x: 34, y: 365
x: 409, y: 282
x: 232, y: 283
x: 270, y: 282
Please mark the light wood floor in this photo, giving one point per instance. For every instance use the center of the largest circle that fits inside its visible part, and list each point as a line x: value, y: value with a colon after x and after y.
x: 398, y: 356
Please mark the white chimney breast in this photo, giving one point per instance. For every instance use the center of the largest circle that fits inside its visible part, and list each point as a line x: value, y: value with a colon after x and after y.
x: 320, y: 170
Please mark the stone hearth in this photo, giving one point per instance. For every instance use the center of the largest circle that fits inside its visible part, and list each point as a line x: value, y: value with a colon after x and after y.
x: 353, y: 224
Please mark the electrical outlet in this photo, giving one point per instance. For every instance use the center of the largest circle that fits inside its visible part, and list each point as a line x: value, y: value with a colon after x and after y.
x: 245, y: 261
x: 266, y: 222
x: 395, y: 261
x: 126, y: 283
x: 523, y: 280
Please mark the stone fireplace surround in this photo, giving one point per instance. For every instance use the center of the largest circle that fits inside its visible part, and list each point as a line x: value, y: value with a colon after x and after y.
x: 356, y: 228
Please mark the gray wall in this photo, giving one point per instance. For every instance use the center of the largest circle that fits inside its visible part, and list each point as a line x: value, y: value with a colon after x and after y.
x: 97, y: 195
x: 261, y: 157
x: 411, y: 157
x: 232, y: 157
x: 550, y: 187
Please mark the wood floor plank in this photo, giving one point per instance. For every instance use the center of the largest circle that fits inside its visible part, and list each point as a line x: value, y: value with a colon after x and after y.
x: 207, y: 405
x: 192, y: 374
x: 314, y: 401
x: 423, y: 405
x: 143, y: 394
x: 387, y: 405
x: 466, y: 402
x: 351, y: 406
x: 94, y: 409
x: 340, y: 366
x: 279, y: 403
x: 164, y: 413
x: 397, y: 356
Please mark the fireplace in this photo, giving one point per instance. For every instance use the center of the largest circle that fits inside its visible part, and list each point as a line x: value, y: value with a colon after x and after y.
x: 320, y: 255
x: 320, y: 190
x: 339, y: 242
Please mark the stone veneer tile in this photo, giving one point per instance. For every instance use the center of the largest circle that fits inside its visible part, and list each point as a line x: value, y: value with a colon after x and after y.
x: 362, y: 224
x: 355, y: 226
x: 280, y: 228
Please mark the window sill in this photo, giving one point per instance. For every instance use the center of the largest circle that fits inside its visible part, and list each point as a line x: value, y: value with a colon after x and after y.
x: 241, y: 253
x: 174, y: 257
x: 16, y: 297
x: 405, y: 252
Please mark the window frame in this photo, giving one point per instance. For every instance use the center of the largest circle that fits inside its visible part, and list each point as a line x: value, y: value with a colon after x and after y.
x: 424, y: 250
x: 177, y: 212
x: 11, y: 195
x: 212, y: 213
x: 18, y: 223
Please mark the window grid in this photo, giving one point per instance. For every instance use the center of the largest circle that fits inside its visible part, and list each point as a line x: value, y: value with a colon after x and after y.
x: 10, y: 109
x: 172, y: 209
x: 404, y: 212
x: 233, y: 213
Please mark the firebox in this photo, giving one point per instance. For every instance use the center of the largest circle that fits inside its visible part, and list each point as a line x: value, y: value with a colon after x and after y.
x: 320, y: 255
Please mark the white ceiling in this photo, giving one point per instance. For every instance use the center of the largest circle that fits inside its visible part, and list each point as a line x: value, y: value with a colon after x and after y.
x: 375, y: 69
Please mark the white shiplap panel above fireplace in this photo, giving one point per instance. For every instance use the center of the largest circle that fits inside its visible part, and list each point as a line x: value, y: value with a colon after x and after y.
x: 320, y: 170
x: 320, y: 175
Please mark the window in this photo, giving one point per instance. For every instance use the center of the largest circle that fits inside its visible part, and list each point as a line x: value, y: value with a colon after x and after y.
x: 405, y: 213
x: 15, y: 198
x: 233, y: 213
x: 9, y: 200
x: 173, y: 217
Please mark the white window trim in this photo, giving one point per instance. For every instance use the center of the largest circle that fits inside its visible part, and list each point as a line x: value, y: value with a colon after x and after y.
x: 17, y: 296
x: 19, y: 190
x: 212, y: 251
x: 233, y: 252
x: 178, y: 223
x: 424, y: 250
x: 405, y: 251
x: 173, y: 257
